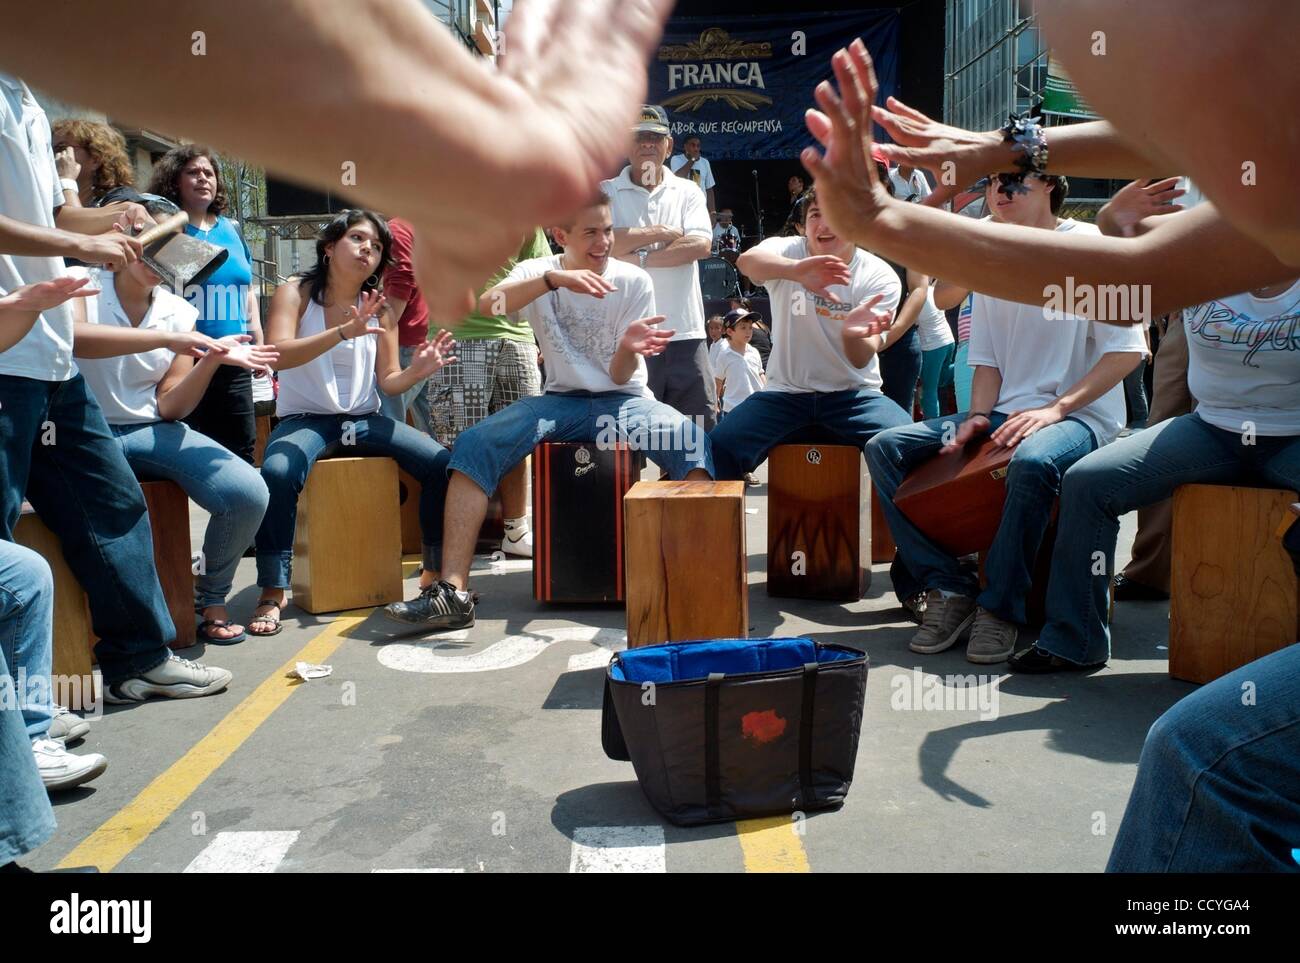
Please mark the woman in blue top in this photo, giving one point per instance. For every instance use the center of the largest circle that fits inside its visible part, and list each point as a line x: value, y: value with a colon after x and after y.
x: 226, y: 301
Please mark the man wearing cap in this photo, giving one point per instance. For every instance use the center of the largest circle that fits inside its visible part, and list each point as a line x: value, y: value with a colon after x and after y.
x: 693, y: 166
x: 661, y: 223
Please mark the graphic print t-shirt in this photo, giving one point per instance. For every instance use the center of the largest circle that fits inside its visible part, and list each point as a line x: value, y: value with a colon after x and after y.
x: 1244, y: 362
x: 579, y: 334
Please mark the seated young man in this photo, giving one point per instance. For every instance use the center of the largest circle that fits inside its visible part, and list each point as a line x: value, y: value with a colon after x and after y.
x: 1244, y: 372
x: 594, y: 319
x: 1047, y: 386
x: 831, y: 301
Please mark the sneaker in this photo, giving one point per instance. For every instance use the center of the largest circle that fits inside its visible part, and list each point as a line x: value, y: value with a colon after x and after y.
x: 1124, y: 589
x: 440, y: 606
x: 66, y: 727
x: 915, y: 608
x: 60, y: 769
x: 176, y: 678
x: 991, y: 639
x: 518, y: 543
x: 1035, y: 661
x: 944, y: 621
x: 752, y: 480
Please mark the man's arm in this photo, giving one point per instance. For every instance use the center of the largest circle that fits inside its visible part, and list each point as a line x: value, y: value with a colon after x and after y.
x: 684, y: 250
x: 100, y: 220
x: 29, y: 240
x: 1109, y: 371
x: 629, y: 239
x: 509, y: 296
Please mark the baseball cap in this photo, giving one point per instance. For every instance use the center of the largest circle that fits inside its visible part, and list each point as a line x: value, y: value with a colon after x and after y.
x: 654, y: 120
x: 733, y: 318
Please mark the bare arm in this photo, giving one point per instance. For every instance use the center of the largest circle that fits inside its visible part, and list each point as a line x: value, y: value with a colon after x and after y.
x: 20, y: 308
x: 1109, y: 371
x: 947, y: 295
x: 182, y: 387
x: 685, y: 250
x: 629, y: 239
x: 109, y: 341
x: 282, y: 328
x: 30, y: 240
x: 99, y: 220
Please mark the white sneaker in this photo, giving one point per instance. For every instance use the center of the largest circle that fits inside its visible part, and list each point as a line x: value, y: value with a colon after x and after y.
x: 66, y: 727
x: 60, y: 769
x: 176, y: 678
x: 518, y: 543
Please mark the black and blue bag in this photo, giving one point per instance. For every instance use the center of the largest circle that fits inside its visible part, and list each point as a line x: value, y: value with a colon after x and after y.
x: 736, y: 728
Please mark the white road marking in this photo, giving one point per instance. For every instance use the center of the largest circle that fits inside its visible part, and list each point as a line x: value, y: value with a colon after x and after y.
x: 513, y: 650
x: 417, y: 870
x: 600, y: 657
x: 618, y: 849
x: 243, y: 853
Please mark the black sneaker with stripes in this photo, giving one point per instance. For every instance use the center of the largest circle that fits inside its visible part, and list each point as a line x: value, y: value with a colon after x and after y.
x: 439, y: 606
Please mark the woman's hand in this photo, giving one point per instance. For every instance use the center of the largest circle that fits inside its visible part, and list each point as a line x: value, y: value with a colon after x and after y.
x: 196, y: 345
x: 65, y: 161
x: 241, y: 353
x: 432, y: 355
x: 358, y: 323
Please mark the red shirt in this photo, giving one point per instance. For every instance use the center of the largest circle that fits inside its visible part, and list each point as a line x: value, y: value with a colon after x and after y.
x: 399, y: 283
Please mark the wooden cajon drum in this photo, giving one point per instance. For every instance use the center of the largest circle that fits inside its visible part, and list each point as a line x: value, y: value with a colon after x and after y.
x: 685, y: 561
x: 1234, y: 596
x: 347, y: 547
x: 956, y: 499
x: 489, y: 536
x: 818, y: 522
x: 169, y: 522
x: 72, y: 658
x: 883, y: 548
x: 578, y: 491
x: 263, y: 435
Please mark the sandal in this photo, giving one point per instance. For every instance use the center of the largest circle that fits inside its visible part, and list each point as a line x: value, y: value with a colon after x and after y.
x: 210, y: 639
x: 267, y: 619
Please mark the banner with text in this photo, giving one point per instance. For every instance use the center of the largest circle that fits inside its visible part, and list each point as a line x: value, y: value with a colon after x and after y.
x: 742, y: 84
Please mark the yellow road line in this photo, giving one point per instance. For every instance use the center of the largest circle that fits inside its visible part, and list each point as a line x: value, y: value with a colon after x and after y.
x: 113, y: 841
x: 773, y: 845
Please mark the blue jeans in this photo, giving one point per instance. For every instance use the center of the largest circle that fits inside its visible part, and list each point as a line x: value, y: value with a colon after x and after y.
x: 60, y: 453
x: 934, y: 364
x: 486, y: 452
x: 26, y: 616
x: 962, y: 376
x: 900, y: 369
x: 222, y: 484
x: 1033, y: 482
x: 1128, y: 474
x: 414, y: 399
x: 1218, y: 784
x: 769, y: 418
x: 295, y: 445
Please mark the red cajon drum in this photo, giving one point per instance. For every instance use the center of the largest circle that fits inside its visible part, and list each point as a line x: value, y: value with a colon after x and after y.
x: 956, y: 499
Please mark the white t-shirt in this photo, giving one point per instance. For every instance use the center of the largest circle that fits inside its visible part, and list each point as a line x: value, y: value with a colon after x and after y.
x: 30, y: 192
x: 701, y: 173
x: 915, y: 188
x: 126, y: 387
x: 579, y: 334
x: 1244, y: 362
x: 742, y: 375
x: 674, y: 203
x: 932, y: 325
x: 1040, y: 358
x: 730, y: 229
x: 715, y: 350
x: 807, y: 347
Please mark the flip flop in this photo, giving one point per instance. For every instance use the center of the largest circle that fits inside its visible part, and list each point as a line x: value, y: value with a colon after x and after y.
x: 206, y: 637
x: 272, y: 619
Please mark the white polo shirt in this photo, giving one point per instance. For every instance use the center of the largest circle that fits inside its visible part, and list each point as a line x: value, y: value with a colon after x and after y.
x: 30, y: 192
x: 674, y: 203
x: 126, y: 387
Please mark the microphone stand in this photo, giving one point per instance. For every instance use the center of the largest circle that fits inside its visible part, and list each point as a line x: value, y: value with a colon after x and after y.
x: 758, y: 206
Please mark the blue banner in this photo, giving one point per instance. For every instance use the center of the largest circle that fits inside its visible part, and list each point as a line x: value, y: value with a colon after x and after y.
x: 742, y: 84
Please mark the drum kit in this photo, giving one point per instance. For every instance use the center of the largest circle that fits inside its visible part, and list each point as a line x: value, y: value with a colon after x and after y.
x: 719, y: 277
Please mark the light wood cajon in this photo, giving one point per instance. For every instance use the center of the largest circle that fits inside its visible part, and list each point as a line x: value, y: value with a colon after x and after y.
x: 685, y: 561
x: 263, y: 435
x: 72, y: 659
x: 347, y: 547
x: 818, y: 522
x: 1234, y: 595
x: 169, y: 523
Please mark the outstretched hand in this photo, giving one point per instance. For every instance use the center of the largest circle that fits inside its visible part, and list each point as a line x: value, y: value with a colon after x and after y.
x: 644, y: 338
x: 359, y: 320
x: 43, y: 295
x: 956, y: 157
x: 241, y: 353
x: 866, y: 320
x: 433, y: 354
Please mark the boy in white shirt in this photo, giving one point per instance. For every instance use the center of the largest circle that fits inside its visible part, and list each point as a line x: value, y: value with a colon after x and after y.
x: 594, y: 317
x: 832, y: 303
x: 1046, y: 386
x: 739, y: 369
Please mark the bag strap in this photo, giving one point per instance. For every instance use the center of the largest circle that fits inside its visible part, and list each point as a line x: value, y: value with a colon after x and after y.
x: 806, y: 733
x: 712, y: 778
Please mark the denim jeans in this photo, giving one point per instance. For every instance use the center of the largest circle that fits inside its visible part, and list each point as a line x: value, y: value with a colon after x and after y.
x: 486, y: 453
x: 934, y: 364
x: 221, y: 483
x: 769, y: 418
x: 26, y: 633
x: 299, y: 440
x: 900, y: 370
x: 60, y: 453
x: 226, y: 414
x: 962, y: 376
x: 1033, y: 482
x: 1218, y: 784
x: 26, y: 613
x: 1132, y: 472
x: 414, y: 399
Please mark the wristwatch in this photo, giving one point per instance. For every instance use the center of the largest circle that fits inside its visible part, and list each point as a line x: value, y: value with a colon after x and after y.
x: 643, y: 253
